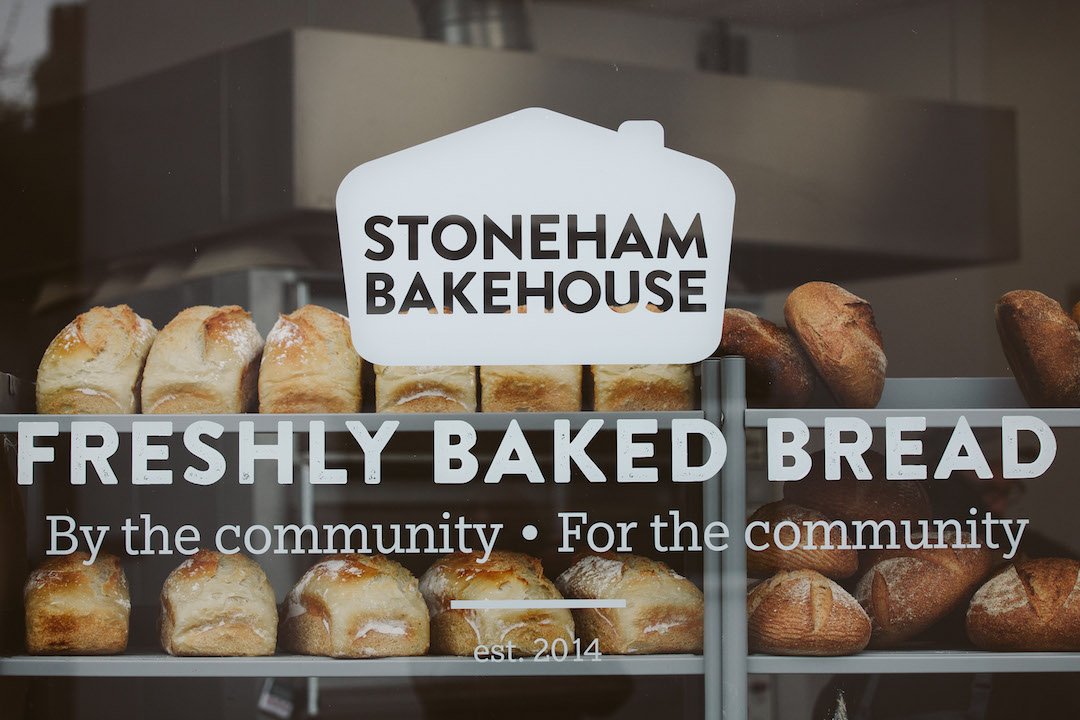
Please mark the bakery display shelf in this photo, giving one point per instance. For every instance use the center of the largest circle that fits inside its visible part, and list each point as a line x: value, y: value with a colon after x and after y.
x: 161, y: 665
x: 410, y: 422
x: 916, y: 662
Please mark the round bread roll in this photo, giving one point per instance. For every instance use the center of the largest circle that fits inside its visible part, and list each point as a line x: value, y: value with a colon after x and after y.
x: 831, y: 562
x: 837, y: 331
x: 309, y: 365
x: 852, y: 499
x: 356, y: 606
x: 75, y: 608
x: 1042, y: 345
x: 218, y: 605
x: 802, y: 612
x: 95, y: 364
x: 907, y: 590
x: 778, y: 375
x: 1031, y: 605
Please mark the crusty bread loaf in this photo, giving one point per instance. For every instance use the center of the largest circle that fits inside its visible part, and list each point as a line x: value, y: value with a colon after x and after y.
x: 95, y: 364
x: 832, y: 562
x: 505, y: 576
x: 639, y: 388
x: 1042, y: 345
x: 664, y: 611
x: 309, y: 365
x: 852, y: 499
x: 530, y: 388
x: 77, y: 609
x: 907, y: 590
x: 1076, y: 313
x: 1030, y: 605
x: 218, y: 605
x: 778, y: 374
x: 425, y: 388
x: 801, y: 612
x: 205, y: 360
x: 837, y: 331
x: 356, y: 606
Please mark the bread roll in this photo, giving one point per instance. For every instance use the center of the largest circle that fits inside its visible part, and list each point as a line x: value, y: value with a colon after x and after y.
x: 1031, y: 605
x: 852, y: 499
x: 205, y: 360
x: 505, y: 576
x: 77, y: 609
x: 218, y: 605
x: 1042, y: 345
x: 638, y: 388
x: 664, y: 611
x: 425, y: 388
x: 530, y: 388
x: 778, y: 374
x: 833, y: 562
x: 356, y: 606
x: 837, y: 331
x: 95, y: 364
x: 801, y: 612
x: 309, y: 365
x: 907, y: 590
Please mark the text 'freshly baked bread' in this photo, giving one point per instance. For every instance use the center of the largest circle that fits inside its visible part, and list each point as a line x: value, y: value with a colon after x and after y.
x: 73, y: 608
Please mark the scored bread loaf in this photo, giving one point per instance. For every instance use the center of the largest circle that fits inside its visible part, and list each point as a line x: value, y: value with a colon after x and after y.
x: 309, y: 365
x: 838, y: 332
x: 1031, y: 605
x: 802, y: 612
x: 204, y: 361
x: 217, y: 605
x: 504, y: 576
x: 778, y: 374
x: 95, y: 364
x: 1042, y: 344
x: 639, y: 388
x: 530, y: 388
x: 664, y: 611
x: 356, y: 606
x: 825, y: 556
x: 75, y: 608
x: 425, y: 388
x: 907, y: 590
x: 852, y: 499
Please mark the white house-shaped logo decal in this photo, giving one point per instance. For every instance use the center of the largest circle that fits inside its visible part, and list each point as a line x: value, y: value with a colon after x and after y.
x: 510, y: 242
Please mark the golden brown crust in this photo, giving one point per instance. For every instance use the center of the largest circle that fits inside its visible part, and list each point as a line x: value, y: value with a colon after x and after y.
x: 852, y: 499
x: 801, y: 612
x: 425, y: 389
x: 1076, y: 313
x: 1042, y: 345
x: 834, y: 563
x: 1033, y: 605
x: 642, y: 388
x: 838, y: 332
x: 530, y: 388
x: 778, y: 374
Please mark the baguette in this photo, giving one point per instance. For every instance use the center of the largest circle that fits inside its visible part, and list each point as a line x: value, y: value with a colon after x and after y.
x: 801, y: 612
x: 1042, y: 344
x: 778, y: 374
x: 1029, y: 606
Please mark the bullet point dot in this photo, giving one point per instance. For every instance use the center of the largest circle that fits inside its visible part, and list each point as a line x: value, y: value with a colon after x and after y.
x: 529, y: 532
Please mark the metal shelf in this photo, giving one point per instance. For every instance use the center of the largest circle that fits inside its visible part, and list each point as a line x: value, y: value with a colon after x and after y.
x: 916, y: 662
x: 161, y: 665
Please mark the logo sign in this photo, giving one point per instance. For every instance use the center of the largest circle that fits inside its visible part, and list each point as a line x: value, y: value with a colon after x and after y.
x: 536, y: 238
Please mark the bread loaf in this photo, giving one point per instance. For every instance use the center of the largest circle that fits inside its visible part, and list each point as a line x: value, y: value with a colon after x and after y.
x: 907, y: 590
x: 640, y: 388
x: 530, y: 388
x: 356, y: 606
x: 1031, y: 605
x: 205, y: 360
x: 425, y: 388
x: 801, y: 612
x: 837, y: 331
x: 77, y: 609
x: 1042, y: 345
x: 831, y: 562
x: 852, y: 499
x: 664, y: 611
x: 218, y: 605
x: 778, y: 374
x: 505, y: 576
x: 1076, y: 313
x: 309, y: 365
x: 95, y: 364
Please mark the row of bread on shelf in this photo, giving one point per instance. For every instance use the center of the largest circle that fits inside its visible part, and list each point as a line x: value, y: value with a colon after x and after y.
x: 825, y: 598
x: 213, y: 360
x: 367, y: 606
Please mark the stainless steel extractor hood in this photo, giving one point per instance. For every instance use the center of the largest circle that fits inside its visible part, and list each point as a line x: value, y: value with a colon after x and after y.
x: 254, y: 140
